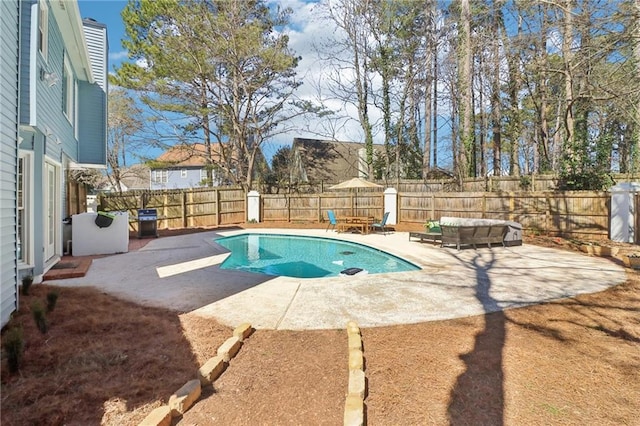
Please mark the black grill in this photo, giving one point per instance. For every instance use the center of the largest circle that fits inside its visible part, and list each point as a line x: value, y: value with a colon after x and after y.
x: 147, y: 223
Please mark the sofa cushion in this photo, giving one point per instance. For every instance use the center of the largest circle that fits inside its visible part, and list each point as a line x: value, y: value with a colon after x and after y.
x: 433, y: 226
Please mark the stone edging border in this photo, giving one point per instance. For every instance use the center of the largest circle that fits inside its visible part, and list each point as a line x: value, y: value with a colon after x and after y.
x: 189, y: 393
x: 354, y: 403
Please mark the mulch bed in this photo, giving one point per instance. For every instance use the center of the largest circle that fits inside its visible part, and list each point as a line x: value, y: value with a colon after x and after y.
x: 107, y: 361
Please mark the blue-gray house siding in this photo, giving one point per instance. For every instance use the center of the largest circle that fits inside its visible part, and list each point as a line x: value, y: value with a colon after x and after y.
x: 60, y: 122
x: 93, y: 97
x: 9, y: 84
x: 178, y: 178
x: 92, y: 148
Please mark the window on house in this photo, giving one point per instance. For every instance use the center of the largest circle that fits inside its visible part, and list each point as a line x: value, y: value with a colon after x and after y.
x: 67, y: 90
x: 43, y: 28
x: 23, y: 208
x: 161, y: 176
x: 203, y: 175
x: 183, y: 173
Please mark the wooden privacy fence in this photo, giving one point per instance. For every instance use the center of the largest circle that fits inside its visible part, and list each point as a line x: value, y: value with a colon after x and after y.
x: 489, y: 183
x: 313, y: 208
x: 182, y: 208
x: 577, y: 213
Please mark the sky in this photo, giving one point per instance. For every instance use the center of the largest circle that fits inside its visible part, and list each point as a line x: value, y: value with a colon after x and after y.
x: 303, y: 30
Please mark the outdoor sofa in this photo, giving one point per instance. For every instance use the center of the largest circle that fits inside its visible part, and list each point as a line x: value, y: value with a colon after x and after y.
x: 472, y: 232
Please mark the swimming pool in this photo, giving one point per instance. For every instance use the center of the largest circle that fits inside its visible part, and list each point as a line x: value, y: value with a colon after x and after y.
x: 306, y: 257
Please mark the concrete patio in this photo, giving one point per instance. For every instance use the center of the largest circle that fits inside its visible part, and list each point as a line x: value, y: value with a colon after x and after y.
x: 182, y: 273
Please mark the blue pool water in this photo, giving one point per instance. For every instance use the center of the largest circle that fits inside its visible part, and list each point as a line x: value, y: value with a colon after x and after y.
x: 305, y: 257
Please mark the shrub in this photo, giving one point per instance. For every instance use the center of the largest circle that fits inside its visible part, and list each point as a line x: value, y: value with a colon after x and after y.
x: 13, y: 345
x: 39, y: 316
x: 525, y: 182
x: 27, y: 280
x: 52, y: 298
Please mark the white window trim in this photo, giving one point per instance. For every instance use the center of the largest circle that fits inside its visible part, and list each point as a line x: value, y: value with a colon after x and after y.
x: 27, y: 199
x: 183, y: 173
x: 75, y: 110
x: 161, y: 176
x: 43, y: 29
x: 67, y: 102
x: 57, y: 213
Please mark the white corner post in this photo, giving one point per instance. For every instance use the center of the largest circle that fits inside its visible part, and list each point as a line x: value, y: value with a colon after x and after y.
x: 623, y: 214
x: 391, y: 205
x: 253, y: 206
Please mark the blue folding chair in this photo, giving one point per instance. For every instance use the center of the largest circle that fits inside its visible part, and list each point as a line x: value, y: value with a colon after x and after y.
x: 382, y: 225
x: 332, y: 220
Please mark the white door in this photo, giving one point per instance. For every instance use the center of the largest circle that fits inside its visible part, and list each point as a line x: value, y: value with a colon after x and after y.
x: 51, y: 207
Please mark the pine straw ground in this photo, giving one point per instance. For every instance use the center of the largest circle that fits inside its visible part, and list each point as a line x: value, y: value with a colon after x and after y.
x: 105, y: 361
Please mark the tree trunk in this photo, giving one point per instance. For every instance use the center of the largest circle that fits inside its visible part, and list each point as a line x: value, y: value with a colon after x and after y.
x: 465, y: 83
x: 635, y: 157
x: 481, y: 168
x: 435, y: 103
x: 362, y: 92
x: 430, y: 82
x: 514, y: 87
x: 544, y: 164
x: 496, y: 107
x: 567, y: 55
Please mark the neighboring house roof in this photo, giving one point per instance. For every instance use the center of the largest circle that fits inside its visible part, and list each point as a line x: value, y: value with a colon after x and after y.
x: 316, y: 160
x: 192, y: 155
x: 136, y: 177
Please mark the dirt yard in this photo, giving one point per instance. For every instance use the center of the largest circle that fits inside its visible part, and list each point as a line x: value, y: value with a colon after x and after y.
x: 105, y: 361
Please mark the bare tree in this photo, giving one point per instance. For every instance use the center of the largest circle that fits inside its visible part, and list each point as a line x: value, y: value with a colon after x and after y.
x: 125, y: 125
x: 222, y: 68
x: 347, y: 55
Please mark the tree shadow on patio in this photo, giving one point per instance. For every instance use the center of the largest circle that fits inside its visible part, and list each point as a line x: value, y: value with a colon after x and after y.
x: 478, y: 395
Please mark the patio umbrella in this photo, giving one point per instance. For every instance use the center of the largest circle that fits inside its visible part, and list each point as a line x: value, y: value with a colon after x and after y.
x: 355, y: 183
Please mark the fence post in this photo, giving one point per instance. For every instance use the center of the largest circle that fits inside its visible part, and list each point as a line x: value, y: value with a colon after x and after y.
x: 165, y: 209
x: 636, y: 198
x: 253, y: 206
x: 547, y: 213
x: 184, y: 209
x: 391, y: 205
x: 512, y: 204
x: 484, y: 204
x: 216, y: 196
x: 433, y: 207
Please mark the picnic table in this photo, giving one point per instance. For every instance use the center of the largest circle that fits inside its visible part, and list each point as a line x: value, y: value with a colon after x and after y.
x: 359, y: 223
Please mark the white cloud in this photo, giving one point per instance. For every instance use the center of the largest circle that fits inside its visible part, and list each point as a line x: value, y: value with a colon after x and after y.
x: 306, y: 30
x: 118, y: 56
